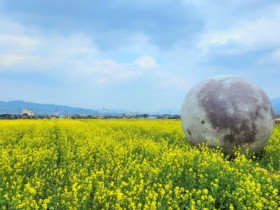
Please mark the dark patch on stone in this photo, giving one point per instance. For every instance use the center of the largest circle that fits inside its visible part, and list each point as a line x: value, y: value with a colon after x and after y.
x: 189, y: 132
x: 202, y: 122
x: 266, y: 101
x: 229, y: 138
x: 258, y: 112
x: 243, y: 128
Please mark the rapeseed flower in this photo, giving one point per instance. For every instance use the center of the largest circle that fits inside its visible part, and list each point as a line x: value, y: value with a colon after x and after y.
x: 128, y: 164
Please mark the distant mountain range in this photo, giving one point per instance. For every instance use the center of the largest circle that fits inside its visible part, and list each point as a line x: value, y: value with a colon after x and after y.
x: 276, y: 105
x: 16, y: 107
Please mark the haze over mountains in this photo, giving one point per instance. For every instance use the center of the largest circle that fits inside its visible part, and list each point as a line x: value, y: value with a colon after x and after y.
x: 16, y: 107
x: 276, y: 105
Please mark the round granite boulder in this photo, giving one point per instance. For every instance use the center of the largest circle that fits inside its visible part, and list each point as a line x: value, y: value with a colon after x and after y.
x: 228, y: 112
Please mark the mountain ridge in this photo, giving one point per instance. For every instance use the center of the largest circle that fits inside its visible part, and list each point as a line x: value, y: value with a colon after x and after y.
x: 16, y: 107
x: 276, y: 105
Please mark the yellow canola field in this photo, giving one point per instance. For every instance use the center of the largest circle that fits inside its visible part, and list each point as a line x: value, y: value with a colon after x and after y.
x: 128, y: 164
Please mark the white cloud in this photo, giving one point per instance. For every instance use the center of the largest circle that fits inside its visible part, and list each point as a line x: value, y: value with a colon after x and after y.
x: 245, y: 36
x: 71, y: 45
x: 173, y: 81
x: 272, y: 58
x: 22, y: 42
x: 75, y: 56
x: 10, y: 60
x: 23, y: 48
x: 146, y: 62
x: 276, y: 55
x: 166, y: 79
x: 108, y: 71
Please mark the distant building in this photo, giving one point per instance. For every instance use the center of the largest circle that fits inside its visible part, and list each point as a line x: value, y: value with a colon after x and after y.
x: 277, y: 119
x: 7, y: 116
x: 27, y: 113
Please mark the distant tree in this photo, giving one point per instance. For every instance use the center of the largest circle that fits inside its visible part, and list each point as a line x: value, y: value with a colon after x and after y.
x: 145, y: 115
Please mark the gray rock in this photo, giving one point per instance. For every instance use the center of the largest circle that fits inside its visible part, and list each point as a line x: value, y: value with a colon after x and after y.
x: 228, y: 112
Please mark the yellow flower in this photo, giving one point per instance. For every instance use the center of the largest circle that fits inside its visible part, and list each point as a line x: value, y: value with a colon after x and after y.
x: 30, y: 189
x: 205, y: 191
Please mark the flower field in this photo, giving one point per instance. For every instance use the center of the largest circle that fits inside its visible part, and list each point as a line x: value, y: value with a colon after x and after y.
x: 128, y: 164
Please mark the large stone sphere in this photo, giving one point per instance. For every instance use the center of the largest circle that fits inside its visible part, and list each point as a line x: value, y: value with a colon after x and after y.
x: 229, y: 112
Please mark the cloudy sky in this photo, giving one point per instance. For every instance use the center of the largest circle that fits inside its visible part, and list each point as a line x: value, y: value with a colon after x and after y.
x: 135, y: 55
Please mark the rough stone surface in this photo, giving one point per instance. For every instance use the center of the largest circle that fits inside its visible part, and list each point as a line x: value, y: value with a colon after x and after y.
x: 228, y: 112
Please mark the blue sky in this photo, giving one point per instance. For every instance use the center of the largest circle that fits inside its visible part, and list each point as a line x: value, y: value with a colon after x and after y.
x: 139, y: 56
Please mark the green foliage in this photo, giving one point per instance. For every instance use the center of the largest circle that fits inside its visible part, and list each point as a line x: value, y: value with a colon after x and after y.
x: 128, y: 164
